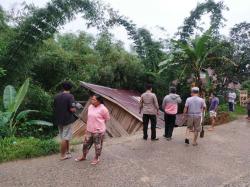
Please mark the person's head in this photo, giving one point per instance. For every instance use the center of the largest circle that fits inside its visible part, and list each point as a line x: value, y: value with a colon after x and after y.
x: 67, y: 86
x: 172, y: 90
x: 96, y: 100
x: 149, y: 87
x: 195, y: 91
x: 213, y: 94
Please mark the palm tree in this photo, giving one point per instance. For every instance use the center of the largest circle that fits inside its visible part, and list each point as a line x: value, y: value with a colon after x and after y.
x: 193, y: 56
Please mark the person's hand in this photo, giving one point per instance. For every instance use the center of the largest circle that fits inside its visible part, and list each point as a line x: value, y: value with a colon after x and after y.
x: 158, y: 113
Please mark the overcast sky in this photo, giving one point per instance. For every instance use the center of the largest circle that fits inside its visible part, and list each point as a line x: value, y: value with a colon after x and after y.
x: 169, y: 14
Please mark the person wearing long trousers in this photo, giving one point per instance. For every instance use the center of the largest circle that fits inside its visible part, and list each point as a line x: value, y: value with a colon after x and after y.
x: 170, y: 108
x: 97, y: 117
x: 150, y: 108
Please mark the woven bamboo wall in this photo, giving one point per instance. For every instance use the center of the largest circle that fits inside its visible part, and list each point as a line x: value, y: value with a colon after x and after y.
x: 122, y: 123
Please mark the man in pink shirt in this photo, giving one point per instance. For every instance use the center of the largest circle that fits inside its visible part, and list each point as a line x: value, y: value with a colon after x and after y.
x: 98, y: 114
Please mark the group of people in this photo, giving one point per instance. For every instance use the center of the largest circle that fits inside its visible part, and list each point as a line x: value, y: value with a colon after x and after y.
x: 193, y: 112
x: 98, y: 115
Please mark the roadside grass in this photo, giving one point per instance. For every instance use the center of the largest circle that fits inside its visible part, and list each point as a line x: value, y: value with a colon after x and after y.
x: 13, y: 148
x: 239, y: 110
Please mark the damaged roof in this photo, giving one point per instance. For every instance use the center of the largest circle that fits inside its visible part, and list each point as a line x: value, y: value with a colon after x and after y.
x: 127, y: 99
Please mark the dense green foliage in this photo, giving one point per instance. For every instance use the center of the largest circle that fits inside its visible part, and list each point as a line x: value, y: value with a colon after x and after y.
x: 23, y: 148
x: 32, y: 48
x: 10, y: 119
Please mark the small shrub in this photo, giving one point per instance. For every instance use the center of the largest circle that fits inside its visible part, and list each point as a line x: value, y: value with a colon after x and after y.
x: 21, y: 148
x: 246, y: 85
x: 239, y: 110
x: 38, y: 99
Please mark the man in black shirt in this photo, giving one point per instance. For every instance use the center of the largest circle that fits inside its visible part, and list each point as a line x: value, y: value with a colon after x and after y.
x: 63, y: 115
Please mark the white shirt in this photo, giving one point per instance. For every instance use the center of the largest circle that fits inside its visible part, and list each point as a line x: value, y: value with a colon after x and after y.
x: 231, y: 97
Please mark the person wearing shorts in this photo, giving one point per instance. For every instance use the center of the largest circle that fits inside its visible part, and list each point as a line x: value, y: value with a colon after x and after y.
x: 63, y: 117
x: 194, y: 108
x: 214, y: 102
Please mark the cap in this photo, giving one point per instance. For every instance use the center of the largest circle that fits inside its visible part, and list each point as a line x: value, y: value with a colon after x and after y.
x: 196, y: 89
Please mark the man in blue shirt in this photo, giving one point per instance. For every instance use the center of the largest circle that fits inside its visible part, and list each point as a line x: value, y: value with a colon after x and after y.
x: 214, y: 102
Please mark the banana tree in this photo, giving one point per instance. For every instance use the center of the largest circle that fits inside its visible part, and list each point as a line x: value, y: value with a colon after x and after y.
x: 11, y: 103
x: 195, y: 56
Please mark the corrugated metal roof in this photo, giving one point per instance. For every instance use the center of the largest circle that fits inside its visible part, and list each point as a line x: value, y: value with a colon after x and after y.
x: 128, y: 99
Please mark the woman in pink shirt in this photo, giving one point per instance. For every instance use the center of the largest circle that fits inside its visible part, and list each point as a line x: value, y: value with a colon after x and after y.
x: 98, y: 114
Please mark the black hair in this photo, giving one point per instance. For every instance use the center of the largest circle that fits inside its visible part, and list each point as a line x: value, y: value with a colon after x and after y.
x: 172, y: 90
x: 214, y: 94
x: 149, y: 86
x: 98, y: 98
x: 67, y: 85
x: 195, y: 91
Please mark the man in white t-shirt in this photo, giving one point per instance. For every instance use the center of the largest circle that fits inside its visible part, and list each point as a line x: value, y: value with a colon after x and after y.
x: 194, y: 109
x: 231, y: 100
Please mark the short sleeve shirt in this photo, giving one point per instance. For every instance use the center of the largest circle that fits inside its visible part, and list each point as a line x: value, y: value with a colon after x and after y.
x: 195, y: 106
x: 63, y: 102
x: 214, y: 104
x: 231, y: 97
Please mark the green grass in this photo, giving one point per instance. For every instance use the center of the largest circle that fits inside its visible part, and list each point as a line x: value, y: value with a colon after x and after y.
x: 23, y: 148
x: 239, y: 110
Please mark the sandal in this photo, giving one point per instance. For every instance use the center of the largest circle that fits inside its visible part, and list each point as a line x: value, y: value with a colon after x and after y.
x: 95, y: 161
x: 65, y: 157
x: 80, y: 159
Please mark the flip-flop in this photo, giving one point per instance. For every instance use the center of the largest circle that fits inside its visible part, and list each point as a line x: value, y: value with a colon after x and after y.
x: 79, y: 159
x: 66, y: 157
x: 94, y: 162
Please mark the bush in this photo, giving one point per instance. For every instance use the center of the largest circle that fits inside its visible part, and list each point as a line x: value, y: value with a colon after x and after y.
x: 239, y: 110
x: 246, y: 86
x: 22, y: 148
x: 38, y: 99
x: 41, y: 132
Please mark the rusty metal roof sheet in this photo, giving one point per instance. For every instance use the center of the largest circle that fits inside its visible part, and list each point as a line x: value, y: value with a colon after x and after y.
x: 127, y: 99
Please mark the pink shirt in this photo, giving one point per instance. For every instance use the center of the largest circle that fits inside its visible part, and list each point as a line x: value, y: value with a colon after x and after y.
x: 97, y: 116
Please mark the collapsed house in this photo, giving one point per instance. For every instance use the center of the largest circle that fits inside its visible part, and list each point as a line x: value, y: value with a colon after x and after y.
x: 123, y: 106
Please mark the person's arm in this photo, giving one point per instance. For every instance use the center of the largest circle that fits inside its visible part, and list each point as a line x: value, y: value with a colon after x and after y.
x: 156, y: 104
x: 234, y: 96
x: 105, y: 114
x: 216, y: 106
x: 185, y: 109
x: 140, y: 105
x: 179, y: 100
x: 163, y: 104
x: 71, y: 105
x: 204, y: 106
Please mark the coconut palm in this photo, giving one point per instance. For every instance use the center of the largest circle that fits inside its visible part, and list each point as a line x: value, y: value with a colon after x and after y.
x: 193, y: 56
